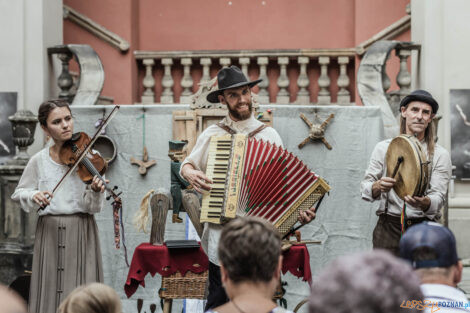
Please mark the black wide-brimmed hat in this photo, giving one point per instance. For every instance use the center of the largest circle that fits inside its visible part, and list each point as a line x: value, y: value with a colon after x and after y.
x: 227, y: 78
x: 176, y: 145
x: 423, y: 96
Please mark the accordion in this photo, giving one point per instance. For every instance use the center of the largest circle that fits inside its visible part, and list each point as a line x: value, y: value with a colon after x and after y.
x: 257, y: 178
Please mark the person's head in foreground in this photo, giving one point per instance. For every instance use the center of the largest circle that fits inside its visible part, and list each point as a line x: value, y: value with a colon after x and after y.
x: 10, y: 301
x: 367, y: 282
x: 250, y: 257
x: 431, y: 249
x: 92, y: 298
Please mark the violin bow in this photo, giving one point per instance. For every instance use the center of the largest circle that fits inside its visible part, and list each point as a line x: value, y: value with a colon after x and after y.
x: 85, y: 151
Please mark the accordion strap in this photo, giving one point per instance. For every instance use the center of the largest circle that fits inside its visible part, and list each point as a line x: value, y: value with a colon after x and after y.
x: 232, y: 132
x: 226, y: 128
x: 257, y: 130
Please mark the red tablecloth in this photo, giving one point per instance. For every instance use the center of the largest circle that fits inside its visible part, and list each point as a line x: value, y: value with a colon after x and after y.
x: 157, y: 259
x: 296, y: 260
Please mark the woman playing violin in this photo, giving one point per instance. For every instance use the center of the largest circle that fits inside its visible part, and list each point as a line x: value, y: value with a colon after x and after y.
x: 67, y: 249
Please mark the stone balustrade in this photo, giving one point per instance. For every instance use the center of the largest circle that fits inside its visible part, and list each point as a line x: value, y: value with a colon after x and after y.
x: 320, y: 76
x: 373, y: 82
x: 403, y: 78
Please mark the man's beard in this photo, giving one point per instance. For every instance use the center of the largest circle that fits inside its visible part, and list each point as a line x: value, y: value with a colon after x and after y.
x: 241, y: 116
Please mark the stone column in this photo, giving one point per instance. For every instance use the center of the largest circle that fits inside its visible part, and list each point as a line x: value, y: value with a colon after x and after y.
x: 324, y: 96
x: 263, y: 94
x: 303, y: 96
x: 343, y: 81
x: 205, y: 62
x: 386, y: 83
x: 16, y: 226
x: 65, y: 81
x: 167, y: 82
x: 186, y: 81
x: 148, y: 96
x: 283, y: 81
x: 224, y: 62
x: 404, y: 76
x: 244, y: 62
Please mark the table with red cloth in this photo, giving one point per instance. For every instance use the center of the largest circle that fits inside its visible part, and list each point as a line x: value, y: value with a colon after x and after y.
x: 296, y: 260
x: 158, y: 259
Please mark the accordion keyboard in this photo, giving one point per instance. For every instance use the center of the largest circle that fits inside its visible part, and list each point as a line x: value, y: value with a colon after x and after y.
x: 217, y: 167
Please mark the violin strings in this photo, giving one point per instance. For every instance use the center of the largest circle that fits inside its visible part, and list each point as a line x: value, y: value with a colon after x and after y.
x: 91, y: 168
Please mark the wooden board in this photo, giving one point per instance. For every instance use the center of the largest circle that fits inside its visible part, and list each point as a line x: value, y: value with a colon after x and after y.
x: 189, y: 124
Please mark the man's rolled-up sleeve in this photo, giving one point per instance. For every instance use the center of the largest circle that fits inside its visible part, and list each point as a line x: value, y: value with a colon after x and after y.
x: 439, y: 183
x: 196, y: 157
x: 373, y: 173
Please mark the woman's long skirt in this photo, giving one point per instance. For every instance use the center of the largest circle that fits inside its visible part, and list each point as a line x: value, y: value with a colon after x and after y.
x: 67, y: 254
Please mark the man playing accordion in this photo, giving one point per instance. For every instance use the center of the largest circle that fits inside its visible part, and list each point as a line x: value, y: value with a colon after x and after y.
x: 234, y: 90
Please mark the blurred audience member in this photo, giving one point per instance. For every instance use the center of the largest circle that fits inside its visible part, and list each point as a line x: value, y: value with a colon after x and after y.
x: 250, y: 257
x: 10, y: 301
x: 92, y: 298
x: 432, y: 251
x: 368, y: 282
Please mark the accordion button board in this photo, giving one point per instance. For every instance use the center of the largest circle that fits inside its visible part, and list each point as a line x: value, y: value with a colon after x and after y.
x: 257, y: 178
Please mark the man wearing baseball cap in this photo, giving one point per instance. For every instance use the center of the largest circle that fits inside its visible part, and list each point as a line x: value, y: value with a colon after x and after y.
x: 431, y: 250
x: 416, y: 113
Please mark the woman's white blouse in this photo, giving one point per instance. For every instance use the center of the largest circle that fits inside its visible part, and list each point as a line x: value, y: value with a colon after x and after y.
x: 43, y: 174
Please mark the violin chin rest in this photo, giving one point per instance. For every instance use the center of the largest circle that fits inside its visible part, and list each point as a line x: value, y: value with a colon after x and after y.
x: 76, y: 136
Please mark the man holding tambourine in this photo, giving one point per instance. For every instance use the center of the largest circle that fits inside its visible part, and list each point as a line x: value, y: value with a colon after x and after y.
x: 409, y: 174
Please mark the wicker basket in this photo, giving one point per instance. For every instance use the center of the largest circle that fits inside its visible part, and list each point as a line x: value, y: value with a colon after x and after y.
x: 191, y: 286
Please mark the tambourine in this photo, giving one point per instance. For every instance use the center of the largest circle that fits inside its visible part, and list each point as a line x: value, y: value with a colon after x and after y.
x: 407, y: 163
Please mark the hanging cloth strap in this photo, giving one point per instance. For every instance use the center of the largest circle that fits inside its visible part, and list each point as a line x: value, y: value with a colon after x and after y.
x: 403, y: 219
x: 233, y: 132
x: 257, y: 130
x: 226, y: 128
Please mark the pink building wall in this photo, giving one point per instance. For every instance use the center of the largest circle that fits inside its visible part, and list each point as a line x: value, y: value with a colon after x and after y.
x: 236, y: 24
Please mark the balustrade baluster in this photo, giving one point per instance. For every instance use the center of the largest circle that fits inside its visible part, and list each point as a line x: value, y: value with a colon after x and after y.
x: 149, y: 82
x: 324, y: 96
x: 283, y: 81
x: 303, y: 96
x: 386, y: 83
x: 263, y: 94
x: 167, y: 81
x: 244, y: 62
x: 224, y: 62
x: 186, y: 81
x: 205, y: 62
x: 343, y: 81
x: 404, y: 77
x: 65, y: 80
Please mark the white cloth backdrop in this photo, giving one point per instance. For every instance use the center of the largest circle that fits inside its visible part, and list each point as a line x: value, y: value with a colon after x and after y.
x: 344, y: 223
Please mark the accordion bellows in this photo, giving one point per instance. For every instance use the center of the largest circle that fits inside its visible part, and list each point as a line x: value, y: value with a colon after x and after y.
x: 257, y: 178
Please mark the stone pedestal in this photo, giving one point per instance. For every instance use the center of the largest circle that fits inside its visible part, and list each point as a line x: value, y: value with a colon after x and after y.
x: 16, y: 228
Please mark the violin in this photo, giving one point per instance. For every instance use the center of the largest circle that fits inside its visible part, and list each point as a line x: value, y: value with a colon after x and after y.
x: 91, y: 165
x: 76, y: 153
